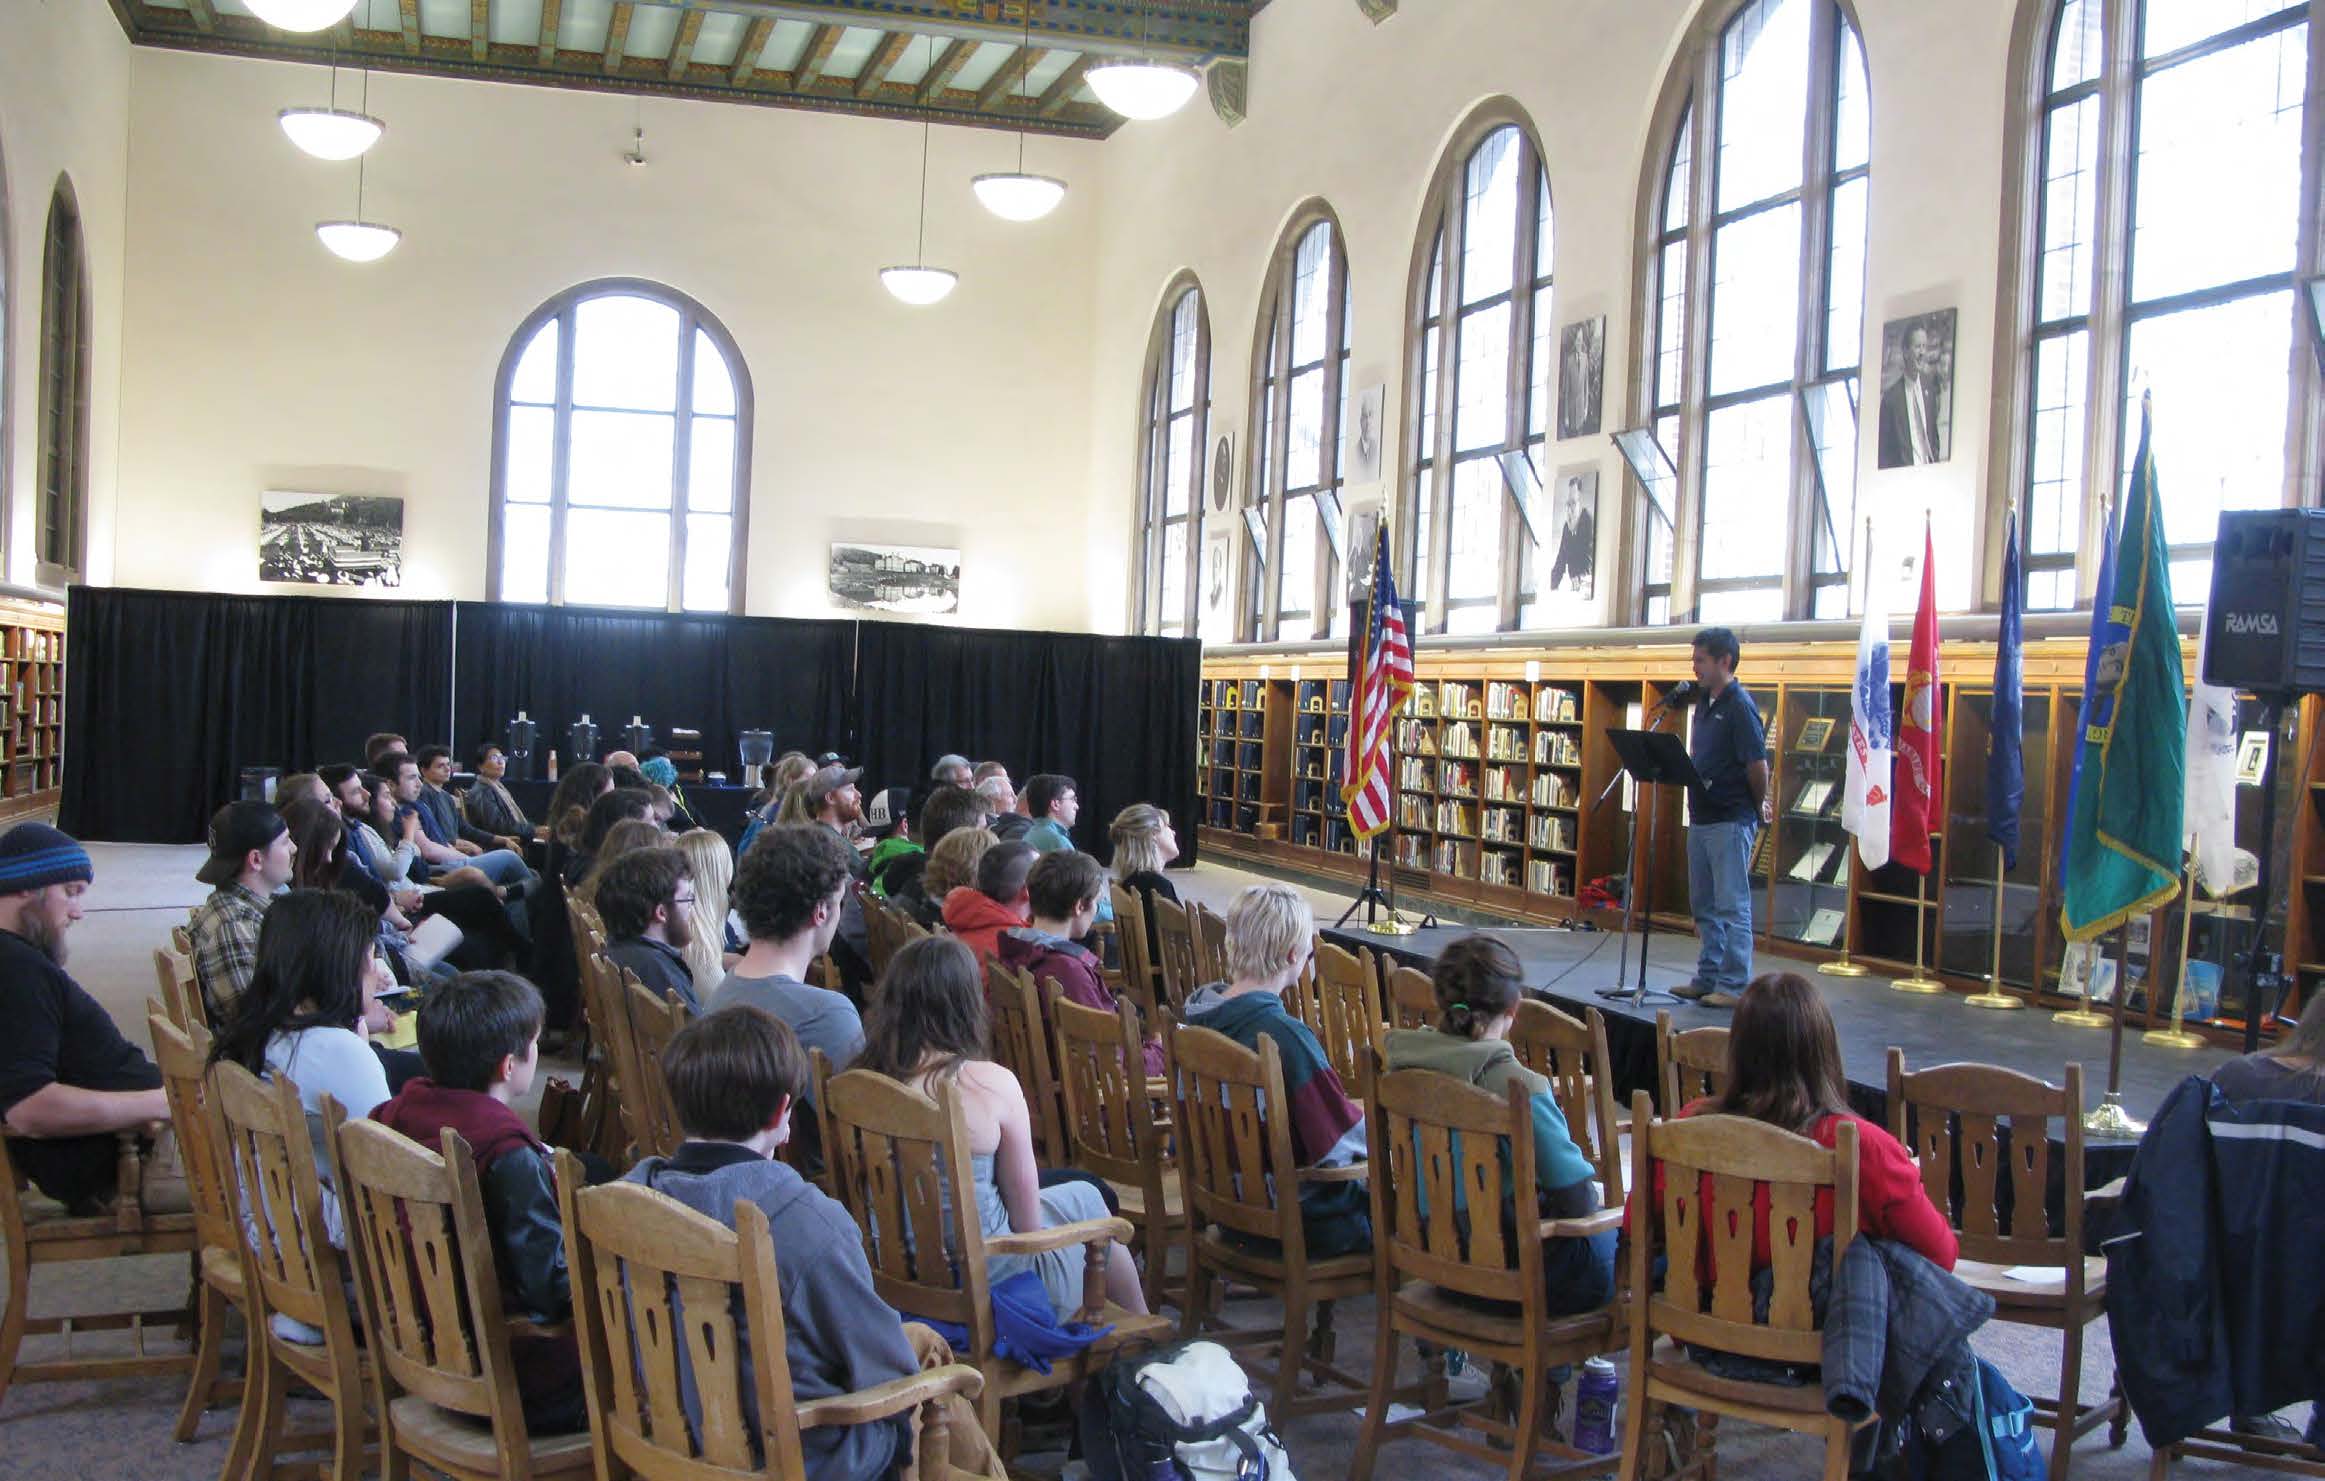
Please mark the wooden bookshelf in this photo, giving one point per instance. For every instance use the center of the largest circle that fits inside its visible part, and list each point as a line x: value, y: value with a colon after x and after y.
x: 32, y: 708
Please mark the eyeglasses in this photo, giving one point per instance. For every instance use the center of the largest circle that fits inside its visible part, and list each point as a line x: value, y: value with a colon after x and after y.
x: 682, y: 899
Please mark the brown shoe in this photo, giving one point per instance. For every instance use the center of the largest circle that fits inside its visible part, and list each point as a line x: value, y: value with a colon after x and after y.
x: 1718, y: 998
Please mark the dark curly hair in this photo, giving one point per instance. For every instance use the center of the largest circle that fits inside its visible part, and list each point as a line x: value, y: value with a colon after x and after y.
x: 1478, y: 979
x: 791, y: 869
x: 632, y: 887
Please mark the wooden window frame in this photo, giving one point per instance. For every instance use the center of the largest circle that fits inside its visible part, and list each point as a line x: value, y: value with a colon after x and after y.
x: 1262, y: 605
x: 1154, y: 417
x: 61, y: 471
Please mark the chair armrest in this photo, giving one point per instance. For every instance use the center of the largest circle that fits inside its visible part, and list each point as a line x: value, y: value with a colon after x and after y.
x: 2109, y: 1193
x: 1352, y: 1172
x: 1582, y: 1228
x: 1058, y: 1237
x: 520, y: 1327
x: 893, y: 1397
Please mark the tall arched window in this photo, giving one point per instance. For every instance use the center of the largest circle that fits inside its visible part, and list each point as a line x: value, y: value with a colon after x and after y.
x: 1300, y: 385
x: 2167, y: 160
x: 1174, y: 423
x: 1481, y: 369
x: 60, y: 524
x: 621, y: 469
x: 1754, y: 306
x: 7, y: 344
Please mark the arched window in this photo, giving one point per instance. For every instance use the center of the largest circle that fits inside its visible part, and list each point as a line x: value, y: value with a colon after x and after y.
x: 622, y: 457
x: 2167, y: 161
x: 1300, y: 385
x: 7, y: 344
x: 60, y: 528
x: 1174, y: 424
x: 1481, y: 367
x: 1754, y: 307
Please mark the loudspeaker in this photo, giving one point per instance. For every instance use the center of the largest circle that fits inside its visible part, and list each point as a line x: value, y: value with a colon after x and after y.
x: 2267, y: 613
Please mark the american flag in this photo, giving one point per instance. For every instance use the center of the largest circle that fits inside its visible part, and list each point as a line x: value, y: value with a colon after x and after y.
x: 1383, y: 678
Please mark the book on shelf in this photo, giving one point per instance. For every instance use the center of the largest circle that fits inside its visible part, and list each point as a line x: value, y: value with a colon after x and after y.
x: 1338, y: 694
x: 1505, y: 784
x: 1810, y: 865
x: 1423, y: 702
x: 1498, y: 869
x: 1812, y: 798
x: 1553, y: 790
x: 1499, y: 825
x: 1557, y: 706
x: 1449, y: 857
x: 1413, y: 812
x: 1461, y: 739
x: 1412, y: 851
x: 1455, y: 817
x: 1504, y: 701
x: 1556, y: 748
x: 1455, y: 779
x: 1413, y: 738
x: 1554, y: 833
x: 1823, y: 928
x: 1546, y: 878
x: 1505, y: 743
x: 1413, y: 772
x: 1764, y: 854
x: 1457, y: 701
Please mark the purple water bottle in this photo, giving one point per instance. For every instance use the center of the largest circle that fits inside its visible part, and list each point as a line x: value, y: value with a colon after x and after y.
x: 1595, y: 1398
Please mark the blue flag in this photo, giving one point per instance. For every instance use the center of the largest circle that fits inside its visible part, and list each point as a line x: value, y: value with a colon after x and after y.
x: 2090, y: 675
x: 2005, y: 760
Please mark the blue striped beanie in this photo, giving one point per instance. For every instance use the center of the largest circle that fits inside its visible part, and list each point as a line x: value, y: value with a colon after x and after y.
x: 34, y: 856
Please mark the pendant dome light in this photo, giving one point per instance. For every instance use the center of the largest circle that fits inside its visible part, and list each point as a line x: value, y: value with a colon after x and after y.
x: 920, y: 284
x: 1016, y: 195
x: 358, y: 240
x: 332, y: 132
x: 301, y: 15
x: 1143, y: 88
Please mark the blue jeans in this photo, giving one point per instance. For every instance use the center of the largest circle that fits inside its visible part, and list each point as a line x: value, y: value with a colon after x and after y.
x: 1719, y: 890
x: 501, y: 866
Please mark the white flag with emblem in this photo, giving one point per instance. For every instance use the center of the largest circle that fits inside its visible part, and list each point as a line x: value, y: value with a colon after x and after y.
x: 1865, y: 796
x: 2211, y: 766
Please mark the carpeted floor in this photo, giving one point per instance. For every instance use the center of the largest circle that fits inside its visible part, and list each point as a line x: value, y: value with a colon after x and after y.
x: 121, y: 1428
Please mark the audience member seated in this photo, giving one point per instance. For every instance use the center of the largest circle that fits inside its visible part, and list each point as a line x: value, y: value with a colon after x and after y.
x: 577, y: 791
x: 444, y: 810
x: 929, y: 1028
x: 1062, y: 893
x: 491, y: 805
x: 322, y: 863
x: 778, y: 782
x: 831, y: 798
x: 952, y: 771
x: 554, y: 970
x: 660, y: 771
x: 1144, y: 842
x: 646, y: 898
x: 624, y: 838
x: 737, y: 1079
x: 616, y: 760
x: 1270, y: 936
x: 946, y: 809
x: 626, y: 773
x: 1001, y: 802
x: 986, y: 769
x: 952, y: 865
x: 1479, y: 984
x: 978, y: 916
x: 481, y: 1037
x: 69, y: 1082
x: 250, y: 859
x: 443, y: 848
x: 896, y: 861
x: 712, y: 944
x: 1053, y: 802
x: 301, y: 786
x: 788, y: 890
x: 608, y: 812
x: 381, y: 817
x: 382, y: 743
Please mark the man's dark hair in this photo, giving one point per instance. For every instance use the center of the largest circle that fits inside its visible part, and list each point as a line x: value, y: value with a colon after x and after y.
x: 378, y: 744
x: 628, y: 776
x: 791, y: 869
x: 635, y: 885
x: 477, y: 757
x: 1001, y: 873
x: 469, y: 1023
x: 1060, y: 882
x: 428, y: 756
x: 391, y: 765
x: 610, y: 808
x: 728, y: 1072
x: 1043, y: 792
x: 947, y: 808
x: 1719, y: 642
x: 335, y: 775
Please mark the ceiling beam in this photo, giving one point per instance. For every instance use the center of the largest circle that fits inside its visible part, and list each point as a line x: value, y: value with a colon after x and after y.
x: 480, y: 30
x: 883, y: 60
x: 410, y: 11
x: 814, y: 57
x: 682, y: 48
x: 948, y: 66
x: 747, y: 55
x: 1006, y: 76
x: 617, y: 36
x: 1191, y: 30
x: 1062, y: 89
x: 205, y: 19
x: 552, y: 11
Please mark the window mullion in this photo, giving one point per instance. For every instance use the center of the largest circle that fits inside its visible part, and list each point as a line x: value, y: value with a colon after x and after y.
x: 2111, y: 247
x: 561, y: 454
x: 1198, y: 448
x: 1279, y: 356
x: 2305, y: 437
x: 1325, y: 580
x: 1448, y: 401
x: 1518, y: 382
x: 1814, y: 322
x: 1695, y: 348
x: 681, y: 464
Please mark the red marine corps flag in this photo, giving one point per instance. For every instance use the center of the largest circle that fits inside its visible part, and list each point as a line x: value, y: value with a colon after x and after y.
x: 1384, y: 676
x: 1917, y: 729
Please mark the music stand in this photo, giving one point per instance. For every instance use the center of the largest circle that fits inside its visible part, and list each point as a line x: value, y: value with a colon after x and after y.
x: 1653, y: 759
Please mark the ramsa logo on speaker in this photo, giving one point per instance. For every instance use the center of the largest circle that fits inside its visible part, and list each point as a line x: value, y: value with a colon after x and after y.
x: 2253, y: 624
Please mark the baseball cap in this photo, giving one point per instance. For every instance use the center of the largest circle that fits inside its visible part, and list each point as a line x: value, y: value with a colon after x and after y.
x: 886, y: 810
x: 235, y: 830
x: 830, y: 779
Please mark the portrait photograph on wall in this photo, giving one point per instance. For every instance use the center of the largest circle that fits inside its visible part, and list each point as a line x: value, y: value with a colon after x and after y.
x: 331, y: 539
x: 1582, y: 368
x: 1574, y: 548
x: 1215, y: 623
x: 1364, y: 435
x: 896, y: 578
x: 1917, y: 389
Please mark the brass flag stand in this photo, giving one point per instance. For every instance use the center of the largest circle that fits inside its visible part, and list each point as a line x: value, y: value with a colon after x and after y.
x: 1920, y: 982
x: 2109, y: 1119
x: 1994, y: 997
x: 2175, y: 1033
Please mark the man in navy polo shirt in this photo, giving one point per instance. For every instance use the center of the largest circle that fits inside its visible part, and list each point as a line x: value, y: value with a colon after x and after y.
x: 1725, y: 813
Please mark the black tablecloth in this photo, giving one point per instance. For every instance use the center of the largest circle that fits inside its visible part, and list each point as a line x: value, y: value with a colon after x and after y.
x: 713, y: 806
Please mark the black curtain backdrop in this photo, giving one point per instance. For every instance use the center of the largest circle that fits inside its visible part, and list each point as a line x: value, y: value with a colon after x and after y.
x: 168, y: 694
x: 1116, y: 714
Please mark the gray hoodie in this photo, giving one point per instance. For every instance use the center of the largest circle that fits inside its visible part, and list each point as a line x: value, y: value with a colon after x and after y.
x: 838, y: 1333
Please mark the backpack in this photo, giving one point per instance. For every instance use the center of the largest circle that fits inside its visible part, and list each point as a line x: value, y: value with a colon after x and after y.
x: 2006, y: 1426
x: 1180, y: 1413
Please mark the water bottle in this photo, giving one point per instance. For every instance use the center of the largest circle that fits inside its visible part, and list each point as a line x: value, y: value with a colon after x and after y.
x: 1595, y: 1398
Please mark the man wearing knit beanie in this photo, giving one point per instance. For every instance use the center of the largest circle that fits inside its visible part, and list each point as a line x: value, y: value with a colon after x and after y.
x: 68, y: 1079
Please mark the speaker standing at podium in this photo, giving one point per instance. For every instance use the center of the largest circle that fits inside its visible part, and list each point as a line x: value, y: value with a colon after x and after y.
x: 1724, y: 817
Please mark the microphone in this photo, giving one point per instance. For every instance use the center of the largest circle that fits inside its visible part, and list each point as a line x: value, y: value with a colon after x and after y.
x: 1684, y: 692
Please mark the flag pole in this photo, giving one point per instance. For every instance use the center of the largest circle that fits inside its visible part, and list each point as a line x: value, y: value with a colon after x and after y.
x: 1842, y: 966
x: 2175, y: 1033
x: 2109, y: 1119
x: 1920, y: 982
x: 1994, y: 997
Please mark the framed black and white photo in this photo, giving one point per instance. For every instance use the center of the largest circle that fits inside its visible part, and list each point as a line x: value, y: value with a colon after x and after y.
x: 1364, y: 518
x: 896, y: 578
x: 1215, y: 621
x: 1582, y: 367
x: 1573, y: 549
x: 331, y: 539
x: 1917, y: 389
x: 1364, y: 435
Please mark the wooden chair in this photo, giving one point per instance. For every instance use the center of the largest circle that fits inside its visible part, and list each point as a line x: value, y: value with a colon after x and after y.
x: 1210, y: 942
x: 1732, y: 1155
x: 1112, y: 1132
x: 879, y: 930
x: 291, y: 1268
x: 1347, y: 1009
x: 181, y: 991
x: 1174, y: 943
x: 1412, y: 998
x: 1021, y: 1045
x: 653, y: 1023
x: 646, y: 1269
x: 183, y: 1055
x: 1966, y: 1123
x: 1572, y: 1055
x: 443, y: 1383
x: 1236, y: 1158
x: 1689, y: 1063
x: 622, y: 1117
x: 1449, y: 1158
x: 1138, y: 969
x: 899, y: 1161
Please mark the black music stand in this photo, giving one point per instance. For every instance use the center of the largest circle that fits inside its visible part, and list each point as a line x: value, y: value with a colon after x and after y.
x: 1653, y: 759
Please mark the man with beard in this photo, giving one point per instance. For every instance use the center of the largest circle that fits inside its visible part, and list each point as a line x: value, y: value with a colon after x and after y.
x: 832, y: 797
x: 68, y: 1079
x: 646, y: 898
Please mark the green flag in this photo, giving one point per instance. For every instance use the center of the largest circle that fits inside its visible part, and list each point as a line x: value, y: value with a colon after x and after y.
x: 2123, y: 840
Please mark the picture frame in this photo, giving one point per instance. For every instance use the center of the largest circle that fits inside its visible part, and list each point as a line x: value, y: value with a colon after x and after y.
x: 1366, y: 433
x: 2252, y: 758
x: 1816, y: 733
x: 1823, y: 928
x: 1915, y: 417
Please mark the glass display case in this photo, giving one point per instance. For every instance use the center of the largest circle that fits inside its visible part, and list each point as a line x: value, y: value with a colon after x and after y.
x: 1803, y: 858
x: 1966, y: 947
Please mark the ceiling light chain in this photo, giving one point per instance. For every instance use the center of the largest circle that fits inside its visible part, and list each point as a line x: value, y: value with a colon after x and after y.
x: 920, y: 284
x: 1019, y: 196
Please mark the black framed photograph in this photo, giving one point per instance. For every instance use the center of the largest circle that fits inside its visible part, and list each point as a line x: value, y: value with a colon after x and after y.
x: 331, y: 539
x: 1582, y: 368
x: 1917, y: 389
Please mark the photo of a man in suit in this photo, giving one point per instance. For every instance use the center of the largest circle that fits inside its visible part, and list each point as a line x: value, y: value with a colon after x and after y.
x: 1917, y: 390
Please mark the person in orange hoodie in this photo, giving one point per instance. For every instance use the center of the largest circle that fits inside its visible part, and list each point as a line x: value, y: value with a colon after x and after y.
x: 999, y: 902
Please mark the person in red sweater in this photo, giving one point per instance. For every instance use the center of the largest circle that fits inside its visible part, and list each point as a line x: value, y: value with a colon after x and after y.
x: 1784, y: 1068
x: 998, y: 902
x: 1062, y: 892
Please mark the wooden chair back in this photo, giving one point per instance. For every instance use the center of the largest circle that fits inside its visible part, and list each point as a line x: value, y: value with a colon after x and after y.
x: 1412, y: 998
x: 1174, y: 944
x: 1443, y: 1173
x: 1689, y: 1063
x: 1021, y: 1045
x: 1572, y: 1055
x: 182, y: 1053
x: 825, y: 973
x: 1138, y: 968
x: 879, y: 930
x: 1347, y: 1013
x: 654, y: 1022
x: 1210, y: 942
x: 1235, y: 1145
x: 270, y: 1154
x: 1967, y: 1123
x: 1109, y: 1115
x: 181, y: 991
x: 605, y: 999
x: 1712, y: 1167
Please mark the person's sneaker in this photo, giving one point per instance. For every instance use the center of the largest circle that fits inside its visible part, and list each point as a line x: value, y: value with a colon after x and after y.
x: 2266, y: 1427
x: 1694, y: 991
x: 1718, y: 998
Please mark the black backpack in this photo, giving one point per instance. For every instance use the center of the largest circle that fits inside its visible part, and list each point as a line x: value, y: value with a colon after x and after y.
x: 1128, y: 1436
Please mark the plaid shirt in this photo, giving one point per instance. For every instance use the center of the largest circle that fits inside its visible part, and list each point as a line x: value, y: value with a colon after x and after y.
x: 225, y: 932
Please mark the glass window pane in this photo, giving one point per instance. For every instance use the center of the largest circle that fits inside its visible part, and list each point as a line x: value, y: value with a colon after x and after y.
x: 1183, y: 337
x: 1671, y: 325
x: 1437, y: 274
x: 535, y: 378
x: 1747, y: 485
x: 2054, y: 516
x: 2172, y: 24
x: 532, y: 443
x: 2220, y: 388
x: 2220, y: 166
x: 2076, y: 47
x: 1852, y: 127
x: 714, y: 383
x: 1310, y: 293
x: 1481, y: 388
x: 620, y: 458
x: 1755, y: 304
x: 710, y: 470
x: 1174, y: 577
x: 1762, y: 604
x: 625, y: 353
x: 524, y: 553
x: 1298, y: 591
x: 1432, y: 352
x: 1489, y: 220
x: 1544, y: 235
x: 2070, y: 209
x: 1678, y: 190
x: 1763, y: 101
x: 1178, y: 476
x: 617, y: 558
x: 709, y: 541
x: 1832, y: 431
x: 1477, y: 531
x: 1303, y: 469
x: 1844, y: 334
x: 1544, y: 358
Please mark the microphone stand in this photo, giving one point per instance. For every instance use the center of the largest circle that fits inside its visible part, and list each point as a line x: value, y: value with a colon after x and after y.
x: 1631, y: 871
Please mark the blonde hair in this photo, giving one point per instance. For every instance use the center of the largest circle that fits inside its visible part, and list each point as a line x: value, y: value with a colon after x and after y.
x: 713, y: 866
x: 1265, y: 926
x: 788, y: 770
x: 627, y: 836
x: 1137, y: 836
x: 952, y: 864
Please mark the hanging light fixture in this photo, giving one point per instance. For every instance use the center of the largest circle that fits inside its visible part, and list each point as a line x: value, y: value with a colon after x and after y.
x: 358, y: 240
x: 333, y: 132
x: 301, y: 15
x: 920, y: 284
x: 1142, y: 88
x: 1016, y: 195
